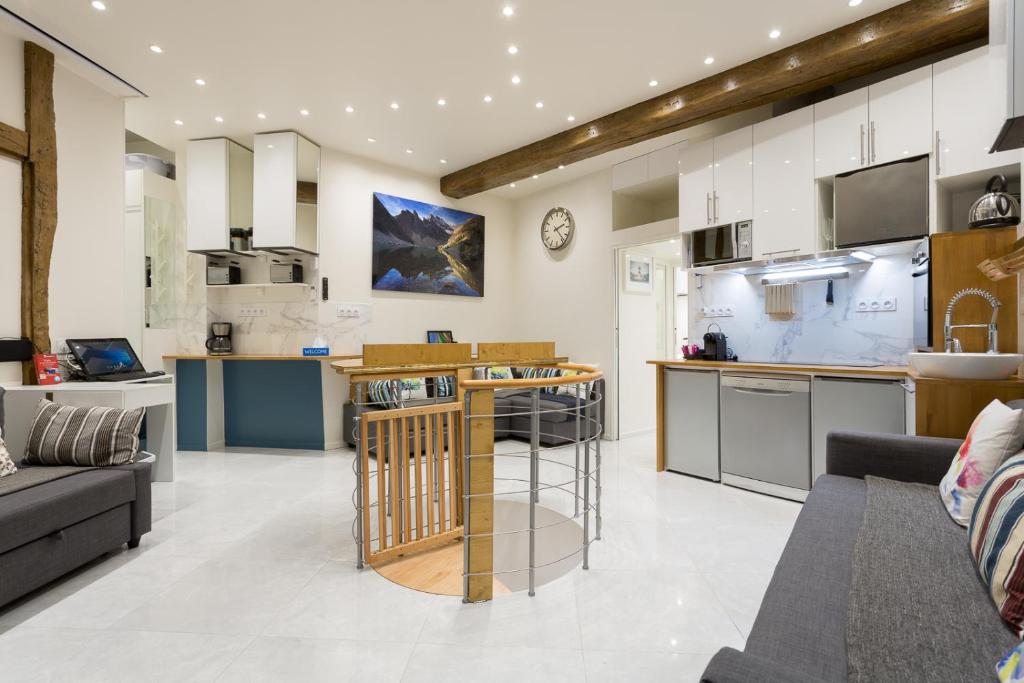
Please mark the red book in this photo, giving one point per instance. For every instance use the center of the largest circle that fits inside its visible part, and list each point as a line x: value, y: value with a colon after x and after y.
x: 47, y: 368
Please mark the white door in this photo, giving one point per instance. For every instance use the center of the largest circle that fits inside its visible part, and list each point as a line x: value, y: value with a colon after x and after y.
x: 696, y: 185
x: 969, y: 93
x: 784, y: 185
x: 734, y: 177
x: 841, y: 134
x: 901, y: 116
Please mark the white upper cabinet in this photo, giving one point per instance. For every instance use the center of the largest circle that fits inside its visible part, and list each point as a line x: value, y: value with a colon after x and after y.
x: 219, y: 182
x: 715, y: 181
x: 970, y: 108
x: 901, y: 117
x: 629, y: 173
x: 734, y: 176
x: 286, y: 180
x: 841, y: 134
x: 885, y: 122
x: 696, y: 185
x: 784, y: 185
x: 663, y: 162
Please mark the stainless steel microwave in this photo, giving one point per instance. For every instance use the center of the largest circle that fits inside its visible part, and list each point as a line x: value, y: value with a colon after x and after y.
x: 727, y: 243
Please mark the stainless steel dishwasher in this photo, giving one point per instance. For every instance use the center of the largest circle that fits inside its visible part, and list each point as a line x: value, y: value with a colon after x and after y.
x: 766, y: 433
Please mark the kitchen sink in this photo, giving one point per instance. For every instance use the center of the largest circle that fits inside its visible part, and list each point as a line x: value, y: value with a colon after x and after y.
x: 966, y: 365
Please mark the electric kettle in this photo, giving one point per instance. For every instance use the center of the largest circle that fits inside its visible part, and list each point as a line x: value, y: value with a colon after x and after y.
x: 996, y: 208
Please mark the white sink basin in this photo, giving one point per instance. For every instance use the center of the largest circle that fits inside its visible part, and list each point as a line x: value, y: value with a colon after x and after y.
x: 966, y: 365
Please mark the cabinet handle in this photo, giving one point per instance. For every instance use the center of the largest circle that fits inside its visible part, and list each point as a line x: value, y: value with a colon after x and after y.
x: 862, y: 159
x: 938, y: 153
x: 873, y: 152
x: 707, y: 207
x: 716, y: 207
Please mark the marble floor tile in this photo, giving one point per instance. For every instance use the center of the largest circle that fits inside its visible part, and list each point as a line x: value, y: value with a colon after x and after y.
x: 652, y: 667
x: 282, y: 660
x: 473, y: 663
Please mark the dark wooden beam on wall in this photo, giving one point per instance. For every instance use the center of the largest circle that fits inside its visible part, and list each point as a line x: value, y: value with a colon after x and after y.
x: 13, y: 142
x: 39, y: 200
x: 897, y: 35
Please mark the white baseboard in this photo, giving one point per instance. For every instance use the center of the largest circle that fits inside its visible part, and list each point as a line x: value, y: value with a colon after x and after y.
x: 637, y: 432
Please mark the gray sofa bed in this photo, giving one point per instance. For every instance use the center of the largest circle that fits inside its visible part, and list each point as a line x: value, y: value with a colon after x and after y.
x: 811, y: 622
x: 55, y: 519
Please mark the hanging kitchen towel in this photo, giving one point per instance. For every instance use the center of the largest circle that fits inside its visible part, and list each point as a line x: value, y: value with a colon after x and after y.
x: 778, y: 299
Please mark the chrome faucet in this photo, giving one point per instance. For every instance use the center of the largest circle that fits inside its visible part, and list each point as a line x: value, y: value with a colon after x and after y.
x: 953, y: 344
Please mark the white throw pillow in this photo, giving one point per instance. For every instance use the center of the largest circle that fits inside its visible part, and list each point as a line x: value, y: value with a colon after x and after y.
x: 996, y: 434
x: 6, y: 464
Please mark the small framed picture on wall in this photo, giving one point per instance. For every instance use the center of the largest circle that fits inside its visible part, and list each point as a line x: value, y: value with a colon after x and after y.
x: 639, y: 275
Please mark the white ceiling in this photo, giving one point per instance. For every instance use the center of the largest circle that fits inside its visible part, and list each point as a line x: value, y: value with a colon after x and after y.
x: 580, y: 58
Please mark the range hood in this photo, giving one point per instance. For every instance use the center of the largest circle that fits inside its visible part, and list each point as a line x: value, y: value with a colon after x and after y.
x: 1011, y: 135
x: 816, y: 260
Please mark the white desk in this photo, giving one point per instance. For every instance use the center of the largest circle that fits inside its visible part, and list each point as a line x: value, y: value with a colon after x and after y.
x: 156, y: 396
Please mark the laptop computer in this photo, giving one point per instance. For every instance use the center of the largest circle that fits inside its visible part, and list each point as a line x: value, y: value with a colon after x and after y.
x: 108, y: 360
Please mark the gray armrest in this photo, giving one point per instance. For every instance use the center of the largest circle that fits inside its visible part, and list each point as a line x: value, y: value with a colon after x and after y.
x: 733, y: 666
x: 142, y: 507
x: 920, y: 459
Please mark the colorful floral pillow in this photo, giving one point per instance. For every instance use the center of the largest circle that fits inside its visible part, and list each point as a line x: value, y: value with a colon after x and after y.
x: 1010, y: 668
x: 6, y: 464
x: 997, y: 433
x: 499, y: 373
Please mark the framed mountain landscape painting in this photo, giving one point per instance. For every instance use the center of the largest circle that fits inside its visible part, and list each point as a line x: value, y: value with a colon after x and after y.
x: 428, y: 249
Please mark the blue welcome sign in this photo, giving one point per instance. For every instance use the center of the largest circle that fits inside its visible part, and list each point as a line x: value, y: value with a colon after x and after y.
x: 316, y: 351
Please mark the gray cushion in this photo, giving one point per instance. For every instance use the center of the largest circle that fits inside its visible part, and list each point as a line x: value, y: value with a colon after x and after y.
x: 35, y: 512
x: 802, y: 620
x: 552, y: 409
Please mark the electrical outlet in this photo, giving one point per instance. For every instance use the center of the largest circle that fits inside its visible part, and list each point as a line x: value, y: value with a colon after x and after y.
x: 252, y: 312
x: 883, y: 304
x: 350, y: 310
x: 718, y: 311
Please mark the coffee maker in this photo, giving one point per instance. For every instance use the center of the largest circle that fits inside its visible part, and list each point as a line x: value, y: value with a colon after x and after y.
x: 220, y: 343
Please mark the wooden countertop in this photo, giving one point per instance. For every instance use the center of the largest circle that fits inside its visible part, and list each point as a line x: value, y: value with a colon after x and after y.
x: 242, y: 356
x: 884, y: 371
x: 435, y: 367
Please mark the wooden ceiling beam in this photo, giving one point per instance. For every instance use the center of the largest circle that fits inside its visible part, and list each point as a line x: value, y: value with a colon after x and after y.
x: 13, y: 142
x: 897, y: 35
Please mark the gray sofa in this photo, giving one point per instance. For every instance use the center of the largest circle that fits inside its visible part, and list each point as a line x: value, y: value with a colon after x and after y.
x: 55, y: 519
x: 800, y: 634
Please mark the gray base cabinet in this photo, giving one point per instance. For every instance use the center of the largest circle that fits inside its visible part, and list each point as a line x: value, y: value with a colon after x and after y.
x: 691, y: 422
x: 859, y: 405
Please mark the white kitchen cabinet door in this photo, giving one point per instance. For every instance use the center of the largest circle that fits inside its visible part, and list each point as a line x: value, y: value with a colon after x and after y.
x: 663, y: 162
x: 734, y: 177
x: 629, y: 173
x: 841, y: 134
x: 696, y: 185
x: 274, y: 190
x: 784, y: 185
x: 207, y: 194
x: 901, y: 117
x: 969, y: 99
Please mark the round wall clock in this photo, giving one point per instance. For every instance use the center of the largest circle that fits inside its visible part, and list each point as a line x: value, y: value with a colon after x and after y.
x: 557, y: 228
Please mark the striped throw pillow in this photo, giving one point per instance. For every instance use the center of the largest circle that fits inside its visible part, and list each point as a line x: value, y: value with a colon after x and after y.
x: 996, y: 538
x: 86, y: 437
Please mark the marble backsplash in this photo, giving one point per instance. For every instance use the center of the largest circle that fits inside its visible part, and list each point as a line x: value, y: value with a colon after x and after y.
x: 817, y: 332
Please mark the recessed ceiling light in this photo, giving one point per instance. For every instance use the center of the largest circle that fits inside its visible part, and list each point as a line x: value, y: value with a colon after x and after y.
x: 371, y: 139
x: 539, y: 105
x: 535, y: 176
x: 508, y: 11
x: 854, y: 3
x: 394, y: 105
x: 156, y: 48
x: 709, y: 60
x: 488, y: 99
x: 561, y: 166
x: 515, y: 79
x: 270, y: 147
x: 350, y: 109
x: 570, y: 118
x: 653, y: 83
x: 179, y: 122
x: 200, y: 81
x: 444, y: 161
x: 511, y: 184
x: 441, y: 102
x: 512, y: 49
x: 261, y: 115
x: 304, y: 112
x: 97, y: 5
x: 218, y: 119
x: 408, y: 150
x: 775, y: 33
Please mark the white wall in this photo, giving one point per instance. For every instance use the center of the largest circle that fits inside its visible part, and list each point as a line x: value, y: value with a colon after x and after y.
x: 569, y: 297
x: 86, y: 276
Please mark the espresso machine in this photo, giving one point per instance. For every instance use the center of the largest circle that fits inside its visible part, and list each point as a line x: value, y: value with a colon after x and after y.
x: 220, y: 343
